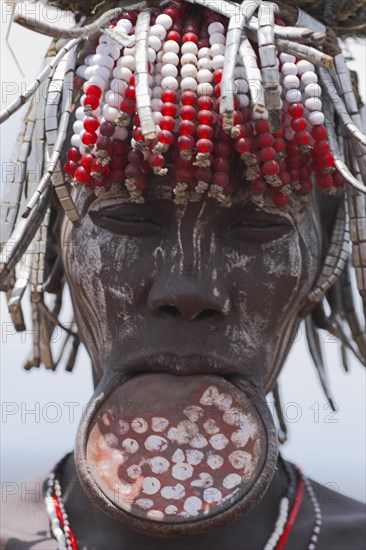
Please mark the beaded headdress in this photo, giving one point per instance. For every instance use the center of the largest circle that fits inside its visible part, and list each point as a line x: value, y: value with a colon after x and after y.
x: 185, y: 90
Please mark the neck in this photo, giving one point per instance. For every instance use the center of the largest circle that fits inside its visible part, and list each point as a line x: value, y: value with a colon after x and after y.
x: 94, y: 529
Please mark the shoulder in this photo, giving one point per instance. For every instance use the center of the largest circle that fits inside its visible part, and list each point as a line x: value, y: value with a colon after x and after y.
x: 344, y: 526
x: 24, y: 522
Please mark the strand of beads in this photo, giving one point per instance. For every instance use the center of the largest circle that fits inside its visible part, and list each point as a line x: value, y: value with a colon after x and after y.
x: 58, y: 517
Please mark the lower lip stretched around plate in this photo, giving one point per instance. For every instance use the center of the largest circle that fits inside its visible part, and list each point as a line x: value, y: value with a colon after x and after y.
x: 173, y: 450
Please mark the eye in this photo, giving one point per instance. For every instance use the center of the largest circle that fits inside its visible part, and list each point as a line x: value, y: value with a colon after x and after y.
x: 119, y: 220
x: 260, y: 228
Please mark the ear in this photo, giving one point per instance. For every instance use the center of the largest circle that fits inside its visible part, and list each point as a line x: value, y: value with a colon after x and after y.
x: 54, y: 271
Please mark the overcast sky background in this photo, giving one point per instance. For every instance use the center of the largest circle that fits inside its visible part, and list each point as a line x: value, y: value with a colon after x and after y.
x: 329, y: 447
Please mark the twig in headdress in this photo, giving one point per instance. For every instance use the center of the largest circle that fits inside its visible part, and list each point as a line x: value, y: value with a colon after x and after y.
x: 253, y: 74
x: 143, y: 100
x: 45, y: 73
x: 357, y: 331
x: 305, y: 52
x: 14, y: 304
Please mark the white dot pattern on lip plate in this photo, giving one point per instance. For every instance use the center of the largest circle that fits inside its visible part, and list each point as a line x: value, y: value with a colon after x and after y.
x: 187, y: 468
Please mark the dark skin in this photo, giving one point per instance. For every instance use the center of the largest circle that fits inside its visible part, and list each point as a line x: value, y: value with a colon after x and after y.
x: 241, y: 271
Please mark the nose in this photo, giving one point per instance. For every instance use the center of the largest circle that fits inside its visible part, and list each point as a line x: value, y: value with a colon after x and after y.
x: 188, y: 297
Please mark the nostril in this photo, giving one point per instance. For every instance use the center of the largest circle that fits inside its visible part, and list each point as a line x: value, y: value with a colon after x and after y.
x: 172, y: 311
x: 207, y: 314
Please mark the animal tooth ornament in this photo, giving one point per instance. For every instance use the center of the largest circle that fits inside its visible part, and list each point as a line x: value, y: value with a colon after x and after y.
x: 198, y: 101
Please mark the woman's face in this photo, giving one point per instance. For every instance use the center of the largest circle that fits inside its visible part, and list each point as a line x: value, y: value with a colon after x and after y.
x: 193, y: 289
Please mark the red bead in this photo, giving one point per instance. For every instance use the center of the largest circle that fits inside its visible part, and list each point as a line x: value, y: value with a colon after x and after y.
x: 70, y: 167
x: 131, y: 171
x: 305, y: 172
x: 327, y: 160
x: 305, y: 187
x: 270, y: 168
x: 156, y: 160
x: 140, y: 182
x: 217, y: 76
x: 280, y: 134
x: 321, y: 146
x: 119, y: 147
x: 87, y: 161
x: 89, y: 138
x: 220, y: 178
x: 107, y: 129
x: 241, y: 145
x: 130, y: 93
x: 319, y: 132
x: 169, y: 109
x: 338, y: 179
x: 168, y: 96
x: 204, y: 131
x: 295, y: 110
x: 174, y: 35
x: 285, y: 177
x: 128, y: 106
x: 217, y: 90
x: 118, y: 176
x: 166, y: 137
x: 186, y: 127
x: 298, y: 124
x: 97, y: 166
x: 257, y: 187
x: 278, y: 144
x: 293, y: 161
x: 93, y: 89
x: 261, y: 126
x: 324, y: 181
x: 188, y: 98
x: 118, y: 162
x: 187, y: 112
x: 205, y: 117
x: 185, y: 143
x: 205, y: 103
x: 223, y: 149
x: 302, y: 138
x: 265, y: 140
x: 172, y: 12
x: 279, y: 199
x: 167, y: 123
x: 184, y: 174
x: 267, y: 153
x: 294, y: 174
x: 92, y: 100
x: 203, y: 174
x: 137, y: 134
x: 74, y: 154
x: 221, y: 164
x: 104, y: 143
x: 204, y: 146
x: 132, y: 80
x: 91, y: 124
x: 190, y: 37
x: 135, y: 157
x: 136, y: 120
x: 82, y: 175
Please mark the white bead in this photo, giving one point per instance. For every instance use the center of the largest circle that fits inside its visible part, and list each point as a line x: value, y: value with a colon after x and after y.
x: 260, y: 116
x: 218, y: 62
x: 205, y: 88
x: 170, y: 57
x: 99, y: 81
x: 215, y: 27
x: 169, y: 82
x: 240, y: 72
x: 287, y: 58
x: 217, y: 38
x: 289, y: 68
x: 158, y: 68
x: 188, y: 58
x: 110, y: 113
x: 291, y: 81
x: 243, y: 100
x: 89, y: 71
x: 157, y: 91
x: 101, y: 71
x: 97, y: 112
x: 204, y: 52
x: 157, y: 80
x: 99, y: 59
x: 157, y: 116
x: 155, y: 42
x: 303, y: 66
x: 76, y: 140
x: 81, y: 71
x: 103, y: 39
x: 217, y: 48
x: 127, y: 61
x: 165, y: 20
x: 151, y: 55
x: 112, y: 50
x: 313, y: 104
x: 169, y: 70
x: 313, y: 90
x: 160, y: 54
x: 188, y: 83
x: 79, y: 113
x: 188, y: 70
x: 122, y: 73
x: 150, y: 80
x: 189, y: 47
x: 78, y: 126
x: 158, y: 30
x: 156, y: 104
x: 120, y: 133
x: 118, y: 85
x: 113, y: 99
x: 125, y: 24
x: 129, y: 51
x: 293, y: 96
x: 171, y: 46
x: 204, y: 63
x: 309, y: 78
x: 315, y: 118
x: 241, y: 86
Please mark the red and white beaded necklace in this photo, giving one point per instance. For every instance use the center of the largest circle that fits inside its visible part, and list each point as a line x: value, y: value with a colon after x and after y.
x: 297, y: 483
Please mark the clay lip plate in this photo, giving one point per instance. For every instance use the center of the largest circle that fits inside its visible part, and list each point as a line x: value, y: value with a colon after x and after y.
x: 175, y: 449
